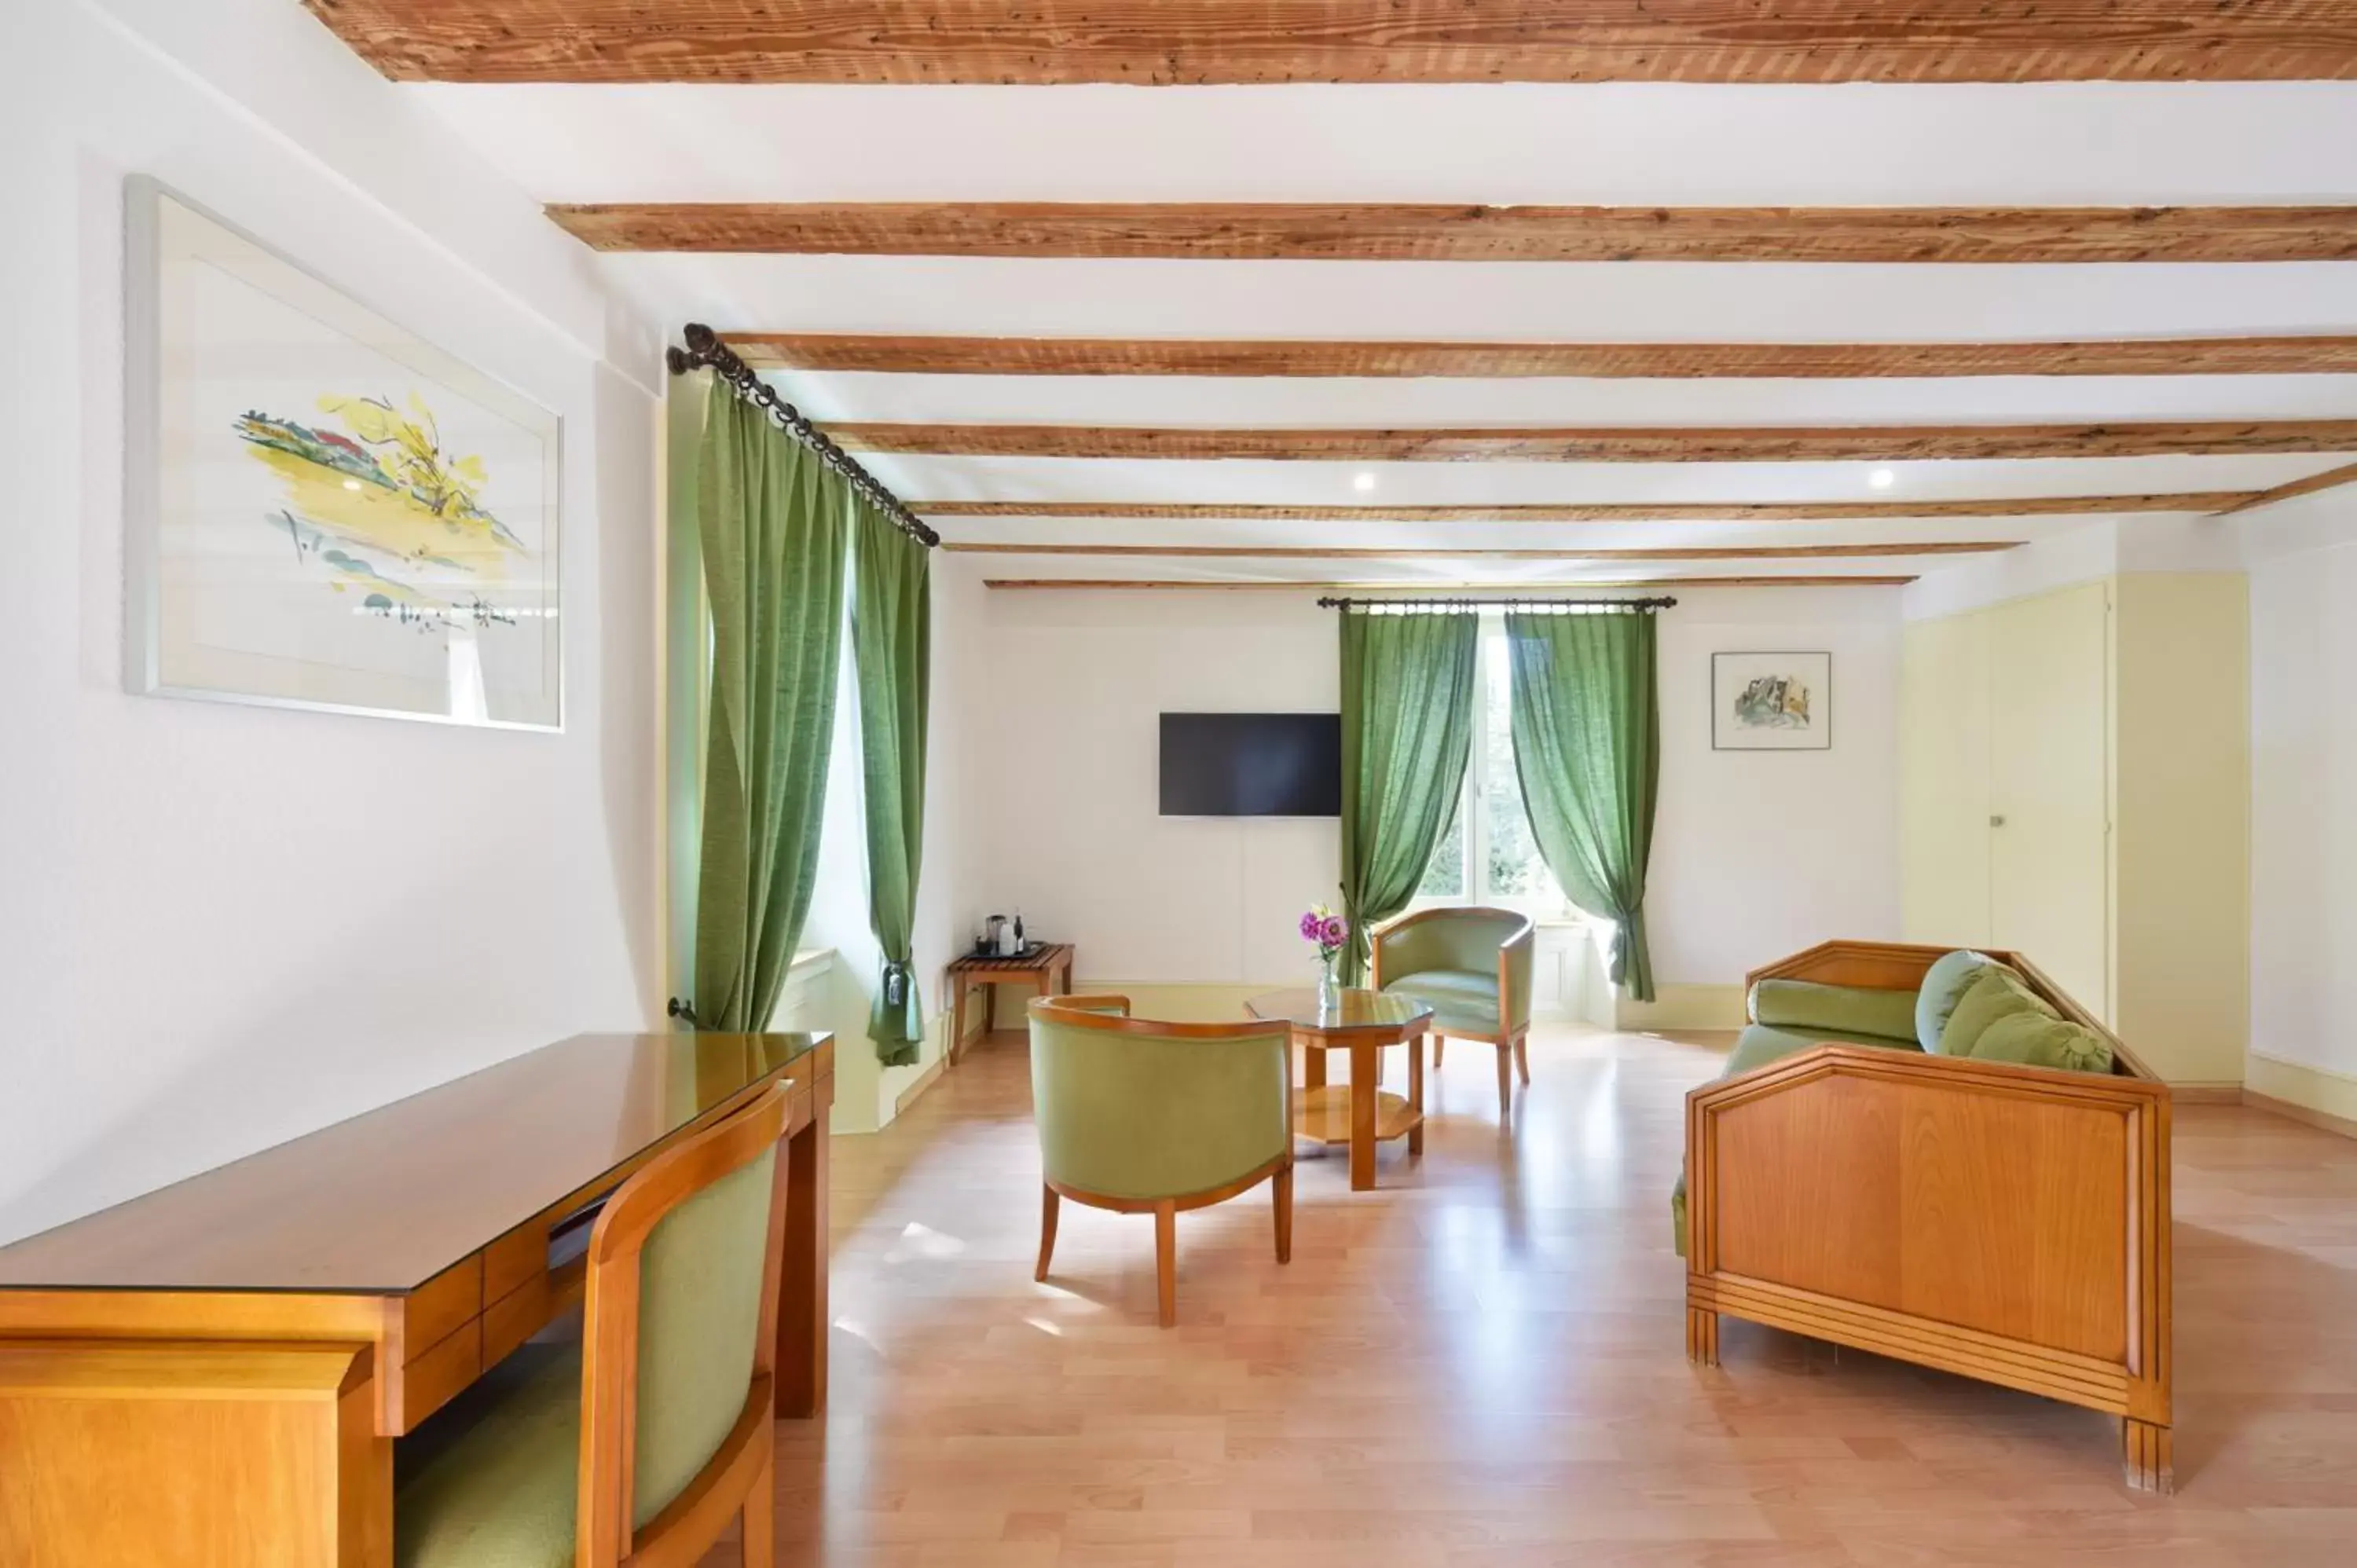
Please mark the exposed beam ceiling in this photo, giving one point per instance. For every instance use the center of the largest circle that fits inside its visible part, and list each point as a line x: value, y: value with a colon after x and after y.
x: 2332, y: 478
x: 1666, y: 443
x: 1412, y: 590
x: 1346, y: 552
x: 2320, y: 354
x: 1465, y: 232
x: 1665, y: 512
x: 1199, y: 41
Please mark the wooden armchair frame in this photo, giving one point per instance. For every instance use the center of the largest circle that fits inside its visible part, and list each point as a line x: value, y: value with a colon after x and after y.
x: 1512, y: 1041
x: 2006, y: 1223
x: 1110, y: 1014
x: 738, y: 1478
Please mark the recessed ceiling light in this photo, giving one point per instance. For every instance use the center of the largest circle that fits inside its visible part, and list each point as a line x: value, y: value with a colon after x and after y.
x: 1362, y: 481
x: 351, y: 484
x: 1882, y: 479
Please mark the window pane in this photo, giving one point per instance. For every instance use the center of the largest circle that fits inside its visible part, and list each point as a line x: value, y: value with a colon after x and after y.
x: 1516, y: 871
x: 1444, y: 877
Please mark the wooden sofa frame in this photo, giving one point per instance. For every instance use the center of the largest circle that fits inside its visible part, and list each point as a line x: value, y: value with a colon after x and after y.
x: 2002, y: 1222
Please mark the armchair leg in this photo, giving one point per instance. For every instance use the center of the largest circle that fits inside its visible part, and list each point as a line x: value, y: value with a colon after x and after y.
x: 1440, y: 1044
x: 1048, y: 1206
x: 1281, y: 1190
x: 1505, y: 1082
x: 1523, y: 1057
x: 760, y: 1534
x: 1165, y: 1260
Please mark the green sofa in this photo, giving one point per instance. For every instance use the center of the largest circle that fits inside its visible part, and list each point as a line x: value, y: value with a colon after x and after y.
x: 1968, y: 1005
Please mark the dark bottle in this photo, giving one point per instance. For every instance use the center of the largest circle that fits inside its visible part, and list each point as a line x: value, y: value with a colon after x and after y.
x: 1019, y: 944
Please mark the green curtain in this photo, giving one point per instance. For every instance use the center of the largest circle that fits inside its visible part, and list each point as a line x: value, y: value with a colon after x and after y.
x: 1407, y: 731
x: 1587, y: 748
x: 773, y: 521
x: 891, y: 639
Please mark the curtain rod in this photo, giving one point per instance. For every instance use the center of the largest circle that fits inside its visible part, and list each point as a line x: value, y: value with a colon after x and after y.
x: 705, y: 347
x: 1631, y: 606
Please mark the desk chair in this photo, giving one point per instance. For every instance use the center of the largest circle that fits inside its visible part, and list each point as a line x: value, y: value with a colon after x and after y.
x: 637, y: 1445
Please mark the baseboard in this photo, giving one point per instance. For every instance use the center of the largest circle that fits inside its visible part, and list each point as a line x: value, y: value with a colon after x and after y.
x: 2206, y: 1093
x: 925, y: 1080
x: 1682, y: 1006
x: 2311, y: 1095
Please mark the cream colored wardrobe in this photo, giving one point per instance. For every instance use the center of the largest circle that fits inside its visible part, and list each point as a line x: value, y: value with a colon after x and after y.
x: 2074, y: 783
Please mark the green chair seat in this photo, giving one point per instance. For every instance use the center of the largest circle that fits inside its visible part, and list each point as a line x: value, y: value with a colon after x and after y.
x: 1460, y: 999
x: 490, y: 1479
x: 1757, y: 1046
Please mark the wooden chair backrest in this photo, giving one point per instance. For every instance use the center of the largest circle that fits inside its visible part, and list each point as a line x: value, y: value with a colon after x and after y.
x: 609, y: 1352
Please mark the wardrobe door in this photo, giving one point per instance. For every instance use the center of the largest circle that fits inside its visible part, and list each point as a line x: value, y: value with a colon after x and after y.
x: 1944, y: 780
x: 2049, y: 787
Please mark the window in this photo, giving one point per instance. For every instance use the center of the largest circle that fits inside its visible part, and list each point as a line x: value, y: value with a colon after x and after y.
x: 1488, y: 854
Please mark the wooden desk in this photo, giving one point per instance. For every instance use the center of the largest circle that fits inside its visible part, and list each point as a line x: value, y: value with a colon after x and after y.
x: 1362, y: 1022
x: 215, y: 1373
x: 1040, y: 967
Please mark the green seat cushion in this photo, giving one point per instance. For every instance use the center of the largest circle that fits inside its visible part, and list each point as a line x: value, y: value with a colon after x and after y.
x: 1756, y: 1048
x: 1459, y: 998
x: 1856, y: 1009
x: 1943, y: 985
x: 2034, y: 1039
x: 1995, y: 992
x: 490, y: 1479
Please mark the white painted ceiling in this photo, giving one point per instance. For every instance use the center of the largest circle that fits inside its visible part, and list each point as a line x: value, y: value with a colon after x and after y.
x: 2091, y: 144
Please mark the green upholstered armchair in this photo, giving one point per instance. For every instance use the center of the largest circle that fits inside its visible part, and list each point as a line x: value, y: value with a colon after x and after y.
x: 640, y: 1442
x: 1472, y: 967
x: 1141, y: 1117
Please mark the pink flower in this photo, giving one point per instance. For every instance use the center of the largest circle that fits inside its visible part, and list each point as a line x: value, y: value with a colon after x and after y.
x: 1311, y: 924
x: 1335, y: 932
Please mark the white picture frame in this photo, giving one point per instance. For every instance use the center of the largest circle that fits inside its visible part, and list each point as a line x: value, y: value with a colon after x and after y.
x: 1771, y: 702
x: 324, y: 510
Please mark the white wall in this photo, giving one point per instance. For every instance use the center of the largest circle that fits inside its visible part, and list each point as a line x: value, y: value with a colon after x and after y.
x: 2303, y: 620
x: 1755, y: 853
x: 223, y: 926
x: 1760, y: 854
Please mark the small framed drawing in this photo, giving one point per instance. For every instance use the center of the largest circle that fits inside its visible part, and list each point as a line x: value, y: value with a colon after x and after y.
x: 324, y: 510
x: 1771, y: 702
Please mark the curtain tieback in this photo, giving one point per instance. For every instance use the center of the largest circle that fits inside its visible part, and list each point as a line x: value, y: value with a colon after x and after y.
x: 895, y: 984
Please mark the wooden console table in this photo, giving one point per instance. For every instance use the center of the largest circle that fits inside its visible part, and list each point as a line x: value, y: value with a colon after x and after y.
x: 215, y: 1373
x: 1040, y: 968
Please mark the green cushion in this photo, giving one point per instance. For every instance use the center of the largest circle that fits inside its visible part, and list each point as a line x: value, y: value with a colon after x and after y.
x: 699, y: 1317
x: 1943, y: 985
x: 2034, y: 1039
x: 1888, y: 1015
x: 1995, y: 992
x: 490, y: 1479
x: 1459, y: 998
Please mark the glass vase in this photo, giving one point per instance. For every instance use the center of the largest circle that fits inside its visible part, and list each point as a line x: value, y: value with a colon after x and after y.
x: 1329, y: 991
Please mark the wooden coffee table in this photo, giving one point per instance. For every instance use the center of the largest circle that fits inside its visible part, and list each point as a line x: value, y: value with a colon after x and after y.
x: 1362, y: 1022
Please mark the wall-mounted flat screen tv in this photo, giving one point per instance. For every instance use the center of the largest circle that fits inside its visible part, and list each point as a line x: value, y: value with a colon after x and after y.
x: 1251, y: 765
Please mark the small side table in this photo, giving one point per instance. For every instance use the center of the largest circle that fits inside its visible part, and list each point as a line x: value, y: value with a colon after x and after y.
x: 1040, y: 966
x: 1362, y: 1022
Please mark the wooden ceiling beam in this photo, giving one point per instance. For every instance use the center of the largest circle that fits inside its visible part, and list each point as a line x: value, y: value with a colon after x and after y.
x: 1661, y: 444
x: 1466, y: 232
x: 1154, y: 42
x: 949, y: 356
x: 1326, y: 552
x: 2204, y: 501
x: 1412, y: 590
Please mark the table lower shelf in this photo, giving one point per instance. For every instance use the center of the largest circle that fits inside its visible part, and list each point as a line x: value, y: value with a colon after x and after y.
x: 1323, y: 1115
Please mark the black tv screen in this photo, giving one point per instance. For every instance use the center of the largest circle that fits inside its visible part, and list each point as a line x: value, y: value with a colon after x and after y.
x: 1251, y: 765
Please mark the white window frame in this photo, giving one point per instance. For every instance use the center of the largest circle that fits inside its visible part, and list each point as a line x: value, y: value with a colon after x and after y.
x: 1487, y: 648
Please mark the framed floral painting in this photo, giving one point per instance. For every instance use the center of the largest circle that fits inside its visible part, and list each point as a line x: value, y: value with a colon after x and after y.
x: 326, y: 512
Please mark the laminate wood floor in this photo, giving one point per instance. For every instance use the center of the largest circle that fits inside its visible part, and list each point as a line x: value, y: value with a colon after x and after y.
x: 1481, y: 1363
